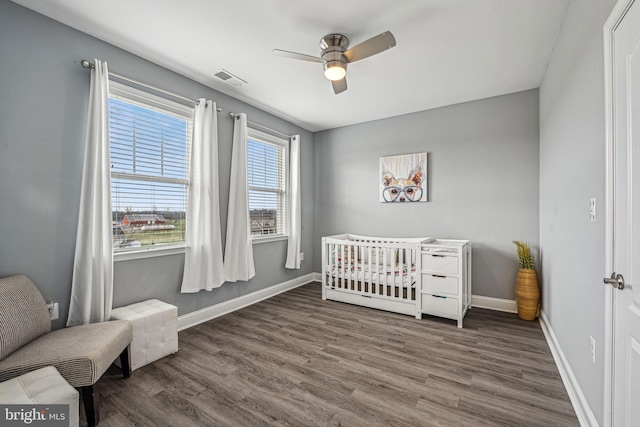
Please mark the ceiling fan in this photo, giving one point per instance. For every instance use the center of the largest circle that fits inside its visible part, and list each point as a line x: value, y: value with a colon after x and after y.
x: 335, y: 55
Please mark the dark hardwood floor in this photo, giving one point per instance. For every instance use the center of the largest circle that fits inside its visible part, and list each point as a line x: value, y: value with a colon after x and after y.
x: 295, y: 360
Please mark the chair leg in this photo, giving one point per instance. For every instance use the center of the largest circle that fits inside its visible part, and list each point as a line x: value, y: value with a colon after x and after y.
x: 125, y: 362
x: 90, y: 406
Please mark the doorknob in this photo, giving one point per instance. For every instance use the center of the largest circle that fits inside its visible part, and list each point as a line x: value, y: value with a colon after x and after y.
x: 616, y: 280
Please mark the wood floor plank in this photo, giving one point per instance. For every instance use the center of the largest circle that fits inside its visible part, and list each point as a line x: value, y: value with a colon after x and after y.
x: 296, y: 360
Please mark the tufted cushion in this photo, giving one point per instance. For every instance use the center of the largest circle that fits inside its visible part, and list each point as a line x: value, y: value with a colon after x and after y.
x: 155, y: 330
x: 41, y: 387
x: 44, y: 385
x: 23, y: 314
x: 81, y: 353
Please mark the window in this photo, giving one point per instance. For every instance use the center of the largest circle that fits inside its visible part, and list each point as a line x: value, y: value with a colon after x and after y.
x: 150, y: 141
x: 267, y: 174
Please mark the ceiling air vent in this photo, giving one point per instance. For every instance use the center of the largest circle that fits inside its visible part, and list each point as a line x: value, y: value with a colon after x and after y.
x: 229, y: 78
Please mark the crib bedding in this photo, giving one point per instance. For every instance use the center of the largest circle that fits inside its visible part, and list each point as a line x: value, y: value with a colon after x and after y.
x: 376, y: 274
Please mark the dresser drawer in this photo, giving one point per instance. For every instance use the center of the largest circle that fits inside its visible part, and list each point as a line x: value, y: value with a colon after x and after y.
x: 440, y: 305
x: 444, y: 264
x: 439, y: 284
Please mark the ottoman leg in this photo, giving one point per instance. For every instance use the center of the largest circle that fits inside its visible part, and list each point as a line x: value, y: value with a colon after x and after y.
x: 90, y: 406
x: 125, y: 362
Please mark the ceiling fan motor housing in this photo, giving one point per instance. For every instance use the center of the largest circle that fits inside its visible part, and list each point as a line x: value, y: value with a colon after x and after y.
x: 333, y: 47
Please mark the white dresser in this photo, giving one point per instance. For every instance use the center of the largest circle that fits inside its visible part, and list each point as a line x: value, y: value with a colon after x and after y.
x: 446, y: 279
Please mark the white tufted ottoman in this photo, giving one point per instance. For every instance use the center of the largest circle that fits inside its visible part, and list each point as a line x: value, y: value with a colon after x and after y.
x: 155, y: 330
x: 44, y: 386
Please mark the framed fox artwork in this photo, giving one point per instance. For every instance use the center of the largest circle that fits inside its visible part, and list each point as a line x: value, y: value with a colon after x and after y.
x: 403, y: 178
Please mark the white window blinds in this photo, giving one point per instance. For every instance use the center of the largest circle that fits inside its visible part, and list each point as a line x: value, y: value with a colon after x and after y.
x: 267, y: 175
x: 150, y: 139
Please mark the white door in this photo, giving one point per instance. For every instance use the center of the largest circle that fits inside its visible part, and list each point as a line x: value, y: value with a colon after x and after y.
x: 624, y: 178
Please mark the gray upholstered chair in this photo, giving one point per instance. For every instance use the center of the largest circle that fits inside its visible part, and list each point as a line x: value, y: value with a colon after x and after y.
x: 80, y: 353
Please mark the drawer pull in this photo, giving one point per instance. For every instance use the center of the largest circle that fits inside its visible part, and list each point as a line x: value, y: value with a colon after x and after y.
x: 439, y: 256
x: 438, y: 296
x: 438, y: 276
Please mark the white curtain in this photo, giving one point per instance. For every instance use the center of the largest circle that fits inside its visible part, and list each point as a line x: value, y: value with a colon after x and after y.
x: 238, y: 252
x: 92, y: 284
x: 295, y: 227
x: 203, y: 256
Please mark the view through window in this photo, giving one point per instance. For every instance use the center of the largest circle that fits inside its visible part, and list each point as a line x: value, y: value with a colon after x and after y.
x: 150, y: 140
x: 267, y: 175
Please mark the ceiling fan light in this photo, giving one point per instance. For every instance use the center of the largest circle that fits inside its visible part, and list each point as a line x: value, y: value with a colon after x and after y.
x: 335, y: 70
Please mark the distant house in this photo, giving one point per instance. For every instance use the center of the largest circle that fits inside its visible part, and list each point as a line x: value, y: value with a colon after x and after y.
x: 262, y: 227
x: 146, y: 222
x: 138, y: 220
x: 263, y: 222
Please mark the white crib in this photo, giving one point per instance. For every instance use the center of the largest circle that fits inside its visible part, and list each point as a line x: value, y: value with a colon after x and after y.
x: 375, y: 272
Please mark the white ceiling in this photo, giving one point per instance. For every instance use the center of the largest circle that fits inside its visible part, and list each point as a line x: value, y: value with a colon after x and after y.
x: 448, y: 51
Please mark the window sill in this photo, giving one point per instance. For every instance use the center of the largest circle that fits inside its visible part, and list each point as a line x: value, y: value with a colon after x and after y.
x: 257, y: 240
x: 148, y: 253
x: 176, y: 250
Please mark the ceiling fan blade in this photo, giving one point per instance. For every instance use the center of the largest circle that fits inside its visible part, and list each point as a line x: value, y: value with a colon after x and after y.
x: 339, y: 86
x: 370, y: 47
x: 295, y: 55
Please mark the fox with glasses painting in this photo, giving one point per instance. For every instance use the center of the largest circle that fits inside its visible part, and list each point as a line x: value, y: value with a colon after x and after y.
x: 403, y: 189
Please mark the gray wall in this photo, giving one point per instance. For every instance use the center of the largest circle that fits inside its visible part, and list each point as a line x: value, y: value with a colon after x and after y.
x: 43, y: 101
x: 572, y: 170
x: 482, y: 181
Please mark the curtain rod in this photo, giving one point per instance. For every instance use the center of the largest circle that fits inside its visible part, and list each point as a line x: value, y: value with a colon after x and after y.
x: 89, y: 65
x: 235, y: 116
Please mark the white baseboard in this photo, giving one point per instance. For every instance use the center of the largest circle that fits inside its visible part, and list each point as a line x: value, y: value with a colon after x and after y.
x: 199, y: 316
x: 498, y: 304
x: 578, y: 400
x: 317, y: 277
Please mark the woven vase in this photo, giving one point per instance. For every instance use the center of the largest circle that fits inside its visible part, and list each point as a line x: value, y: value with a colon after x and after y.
x: 527, y: 294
